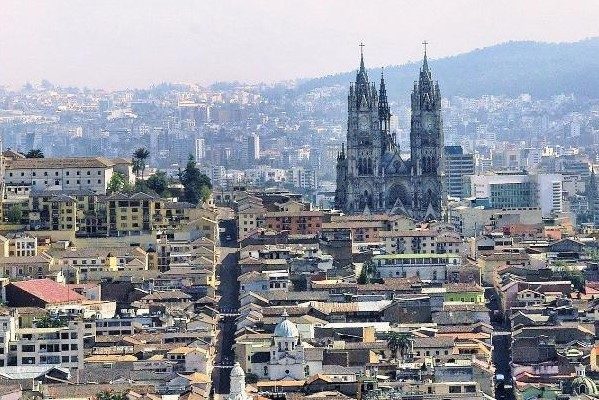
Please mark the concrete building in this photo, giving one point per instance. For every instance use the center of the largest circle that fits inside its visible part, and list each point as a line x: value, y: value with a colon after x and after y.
x: 92, y: 173
x: 252, y: 148
x: 433, y: 267
x: 457, y: 166
x: 61, y: 345
x: 519, y: 191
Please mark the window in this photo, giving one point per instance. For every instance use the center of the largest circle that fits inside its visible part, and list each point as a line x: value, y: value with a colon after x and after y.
x: 470, y: 389
x: 455, y: 389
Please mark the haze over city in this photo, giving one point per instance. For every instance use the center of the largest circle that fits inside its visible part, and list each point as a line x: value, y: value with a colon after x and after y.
x: 119, y: 44
x: 299, y: 199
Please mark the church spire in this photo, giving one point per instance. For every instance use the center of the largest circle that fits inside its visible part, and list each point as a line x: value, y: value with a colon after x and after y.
x: 384, y: 111
x: 425, y: 58
x: 425, y: 73
x: 362, y: 77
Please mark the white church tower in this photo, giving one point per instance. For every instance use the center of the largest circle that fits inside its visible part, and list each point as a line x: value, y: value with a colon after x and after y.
x: 237, y: 391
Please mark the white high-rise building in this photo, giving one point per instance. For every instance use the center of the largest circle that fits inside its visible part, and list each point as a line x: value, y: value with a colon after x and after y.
x: 200, y: 149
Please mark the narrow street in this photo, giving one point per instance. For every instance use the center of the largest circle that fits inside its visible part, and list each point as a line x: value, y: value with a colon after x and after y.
x: 502, y: 340
x: 227, y: 272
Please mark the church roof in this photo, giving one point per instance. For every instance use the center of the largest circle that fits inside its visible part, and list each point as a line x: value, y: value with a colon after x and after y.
x: 286, y: 328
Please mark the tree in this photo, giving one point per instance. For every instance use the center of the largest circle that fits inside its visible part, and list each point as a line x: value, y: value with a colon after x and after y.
x: 49, y: 321
x: 111, y: 395
x: 139, y: 160
x: 14, y: 214
x: 368, y: 273
x: 575, y: 276
x: 251, y: 378
x: 118, y: 183
x: 196, y: 185
x: 35, y: 153
x: 158, y: 183
x: 399, y: 342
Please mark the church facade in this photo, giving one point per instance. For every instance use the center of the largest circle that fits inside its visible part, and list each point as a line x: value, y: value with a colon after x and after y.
x: 371, y: 175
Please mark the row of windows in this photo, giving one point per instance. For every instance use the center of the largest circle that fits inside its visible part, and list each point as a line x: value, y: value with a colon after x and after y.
x: 67, y: 173
x: 68, y: 182
x: 51, y: 347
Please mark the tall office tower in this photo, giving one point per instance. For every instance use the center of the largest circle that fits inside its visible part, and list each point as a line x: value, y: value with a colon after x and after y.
x: 457, y: 166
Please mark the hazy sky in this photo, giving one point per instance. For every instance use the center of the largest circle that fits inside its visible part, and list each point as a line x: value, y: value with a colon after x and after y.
x: 133, y: 43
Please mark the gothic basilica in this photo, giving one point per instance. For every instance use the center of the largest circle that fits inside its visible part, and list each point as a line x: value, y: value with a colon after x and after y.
x: 371, y: 175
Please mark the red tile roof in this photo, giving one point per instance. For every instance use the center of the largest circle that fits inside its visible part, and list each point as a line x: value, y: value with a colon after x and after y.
x: 49, y: 291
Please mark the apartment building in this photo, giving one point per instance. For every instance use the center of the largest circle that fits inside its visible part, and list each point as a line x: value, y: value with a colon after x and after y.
x: 41, y: 345
x: 425, y: 241
x: 141, y: 212
x: 73, y: 210
x: 301, y: 222
x: 18, y: 245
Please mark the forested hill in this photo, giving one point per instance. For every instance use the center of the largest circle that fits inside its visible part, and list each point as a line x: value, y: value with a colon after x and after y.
x: 541, y: 69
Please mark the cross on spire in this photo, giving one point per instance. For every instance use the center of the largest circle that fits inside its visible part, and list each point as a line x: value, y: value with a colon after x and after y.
x: 425, y: 43
x: 362, y: 69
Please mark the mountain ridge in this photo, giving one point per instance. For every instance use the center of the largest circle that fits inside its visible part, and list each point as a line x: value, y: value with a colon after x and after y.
x: 511, y: 68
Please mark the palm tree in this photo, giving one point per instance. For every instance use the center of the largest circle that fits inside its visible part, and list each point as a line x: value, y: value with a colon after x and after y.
x: 399, y: 342
x: 139, y: 160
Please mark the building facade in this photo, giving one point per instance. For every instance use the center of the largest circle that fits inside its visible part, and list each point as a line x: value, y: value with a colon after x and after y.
x: 371, y: 175
x: 457, y: 166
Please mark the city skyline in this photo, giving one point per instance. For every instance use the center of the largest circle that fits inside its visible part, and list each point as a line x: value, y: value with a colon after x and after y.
x: 256, y: 41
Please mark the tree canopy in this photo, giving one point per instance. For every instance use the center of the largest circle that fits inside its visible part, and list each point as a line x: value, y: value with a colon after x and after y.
x: 196, y: 185
x: 111, y: 395
x: 118, y: 183
x: 34, y: 153
x: 158, y: 183
x: 14, y: 214
x: 399, y: 342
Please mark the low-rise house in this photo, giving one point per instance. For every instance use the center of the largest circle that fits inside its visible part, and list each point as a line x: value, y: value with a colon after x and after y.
x: 41, y: 293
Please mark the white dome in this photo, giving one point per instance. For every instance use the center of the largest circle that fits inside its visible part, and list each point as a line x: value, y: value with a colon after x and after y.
x: 286, y: 329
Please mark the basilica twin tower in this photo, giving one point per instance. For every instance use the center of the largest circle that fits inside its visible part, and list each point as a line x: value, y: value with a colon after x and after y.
x: 371, y: 175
